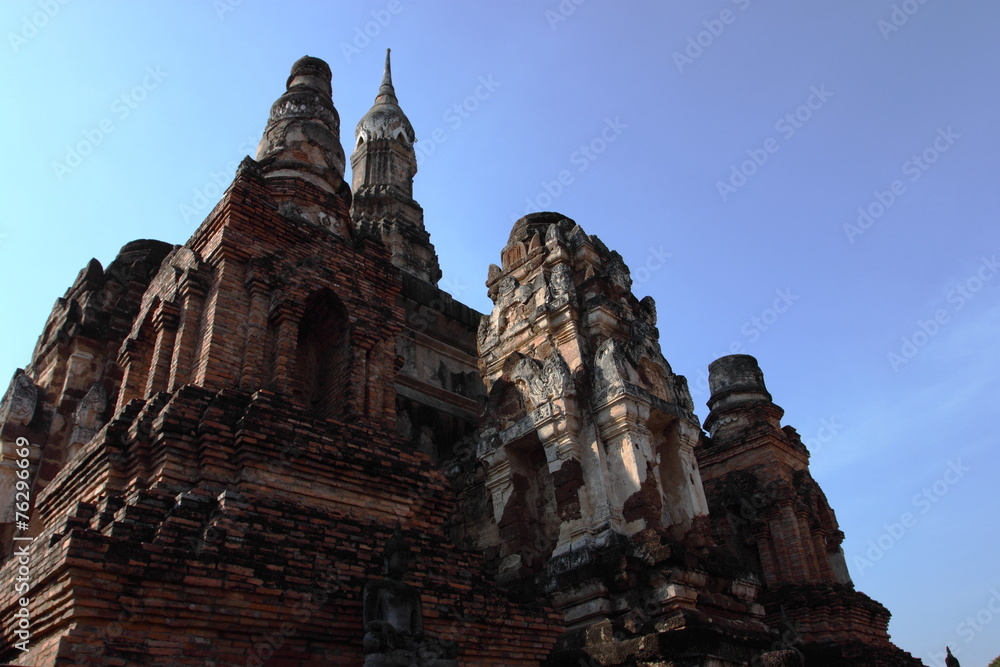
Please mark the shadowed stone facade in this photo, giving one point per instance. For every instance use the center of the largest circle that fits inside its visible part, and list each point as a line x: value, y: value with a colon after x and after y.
x: 282, y: 444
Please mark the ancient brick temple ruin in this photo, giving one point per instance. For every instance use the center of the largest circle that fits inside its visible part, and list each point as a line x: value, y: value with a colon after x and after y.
x: 282, y: 443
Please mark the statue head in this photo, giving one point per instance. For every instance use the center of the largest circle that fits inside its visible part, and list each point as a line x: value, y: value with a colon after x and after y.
x: 396, y: 555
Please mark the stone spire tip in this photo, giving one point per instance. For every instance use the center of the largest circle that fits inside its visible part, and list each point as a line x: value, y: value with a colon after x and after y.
x: 386, y: 92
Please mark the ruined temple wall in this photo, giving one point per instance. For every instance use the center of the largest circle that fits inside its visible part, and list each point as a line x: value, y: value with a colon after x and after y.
x: 254, y: 453
x: 264, y: 527
x: 438, y: 387
x: 67, y: 391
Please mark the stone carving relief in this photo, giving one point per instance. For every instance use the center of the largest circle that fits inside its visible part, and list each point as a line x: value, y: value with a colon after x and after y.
x: 88, y: 418
x: 557, y: 378
x: 19, y: 402
x: 618, y: 273
x: 561, y: 284
x: 612, y: 370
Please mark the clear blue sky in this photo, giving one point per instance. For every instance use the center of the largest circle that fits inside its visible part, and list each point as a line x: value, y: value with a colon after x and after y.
x: 673, y: 99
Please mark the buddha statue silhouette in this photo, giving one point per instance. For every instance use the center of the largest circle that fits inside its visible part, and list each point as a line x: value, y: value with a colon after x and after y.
x: 393, y: 617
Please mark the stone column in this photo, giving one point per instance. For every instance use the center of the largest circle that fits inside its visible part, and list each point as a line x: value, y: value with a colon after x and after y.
x: 596, y: 493
x: 357, y: 394
x: 811, y: 546
x: 221, y: 352
x: 794, y: 546
x: 135, y: 365
x: 557, y: 433
x: 251, y: 375
x: 683, y: 493
x: 622, y: 427
x: 787, y: 567
x: 287, y: 326
x: 192, y: 294
x: 768, y: 563
x: 165, y: 326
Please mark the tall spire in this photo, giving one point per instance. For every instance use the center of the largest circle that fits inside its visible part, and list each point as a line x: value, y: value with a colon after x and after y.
x: 386, y: 93
x: 382, y: 169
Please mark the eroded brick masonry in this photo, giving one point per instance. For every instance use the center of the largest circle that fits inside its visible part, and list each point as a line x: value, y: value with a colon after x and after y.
x: 225, y: 436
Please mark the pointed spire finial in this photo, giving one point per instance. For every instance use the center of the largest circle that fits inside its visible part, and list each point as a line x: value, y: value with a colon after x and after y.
x: 386, y: 93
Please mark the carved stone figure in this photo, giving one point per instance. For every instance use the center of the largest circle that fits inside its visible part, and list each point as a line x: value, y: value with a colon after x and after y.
x: 19, y: 402
x: 562, y: 282
x: 393, y: 617
x: 88, y: 418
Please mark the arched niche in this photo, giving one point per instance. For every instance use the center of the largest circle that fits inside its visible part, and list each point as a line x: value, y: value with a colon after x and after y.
x: 506, y: 403
x: 676, y: 477
x: 529, y: 527
x: 323, y: 356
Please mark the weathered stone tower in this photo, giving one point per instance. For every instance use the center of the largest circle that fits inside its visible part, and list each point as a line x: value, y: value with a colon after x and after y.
x: 769, y: 511
x: 438, y: 384
x: 588, y: 490
x: 580, y: 395
x: 223, y: 435
x: 383, y: 166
